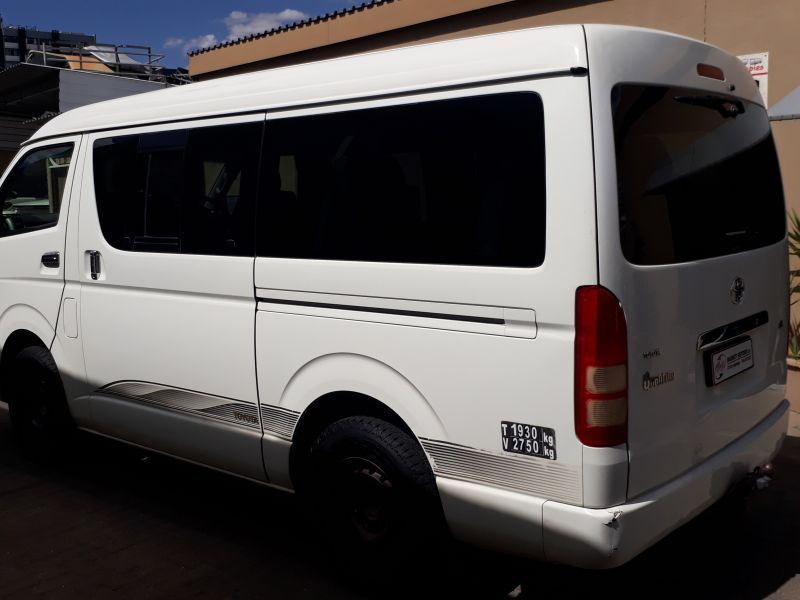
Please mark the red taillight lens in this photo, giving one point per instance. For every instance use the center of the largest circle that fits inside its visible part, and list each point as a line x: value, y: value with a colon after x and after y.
x: 601, y: 368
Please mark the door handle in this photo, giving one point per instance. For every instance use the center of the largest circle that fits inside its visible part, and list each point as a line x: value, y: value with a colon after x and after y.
x: 94, y: 263
x: 51, y: 260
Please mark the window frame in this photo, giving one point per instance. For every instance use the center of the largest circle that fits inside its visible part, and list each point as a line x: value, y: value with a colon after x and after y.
x: 622, y: 209
x: 25, y: 151
x: 90, y: 192
x: 416, y: 98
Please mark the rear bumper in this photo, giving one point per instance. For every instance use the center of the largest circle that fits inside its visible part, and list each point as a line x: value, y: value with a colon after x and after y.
x: 604, y: 538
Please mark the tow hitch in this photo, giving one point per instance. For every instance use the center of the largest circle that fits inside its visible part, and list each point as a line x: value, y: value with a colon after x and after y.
x: 760, y: 477
x: 756, y: 480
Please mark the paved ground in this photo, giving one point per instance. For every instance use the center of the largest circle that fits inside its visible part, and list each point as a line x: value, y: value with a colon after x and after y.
x: 108, y: 520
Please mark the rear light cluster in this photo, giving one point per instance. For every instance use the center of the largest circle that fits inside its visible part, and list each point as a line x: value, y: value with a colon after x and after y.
x: 601, y: 368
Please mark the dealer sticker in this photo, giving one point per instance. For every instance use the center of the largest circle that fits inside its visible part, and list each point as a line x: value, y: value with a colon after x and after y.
x: 530, y: 440
x: 724, y: 364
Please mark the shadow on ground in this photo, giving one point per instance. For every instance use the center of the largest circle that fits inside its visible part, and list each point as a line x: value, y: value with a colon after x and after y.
x: 108, y: 520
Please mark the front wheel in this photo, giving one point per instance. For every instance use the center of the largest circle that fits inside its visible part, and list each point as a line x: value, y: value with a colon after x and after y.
x: 36, y: 403
x: 372, y: 491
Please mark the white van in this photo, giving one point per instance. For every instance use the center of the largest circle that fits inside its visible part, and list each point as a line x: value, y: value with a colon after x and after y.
x: 529, y: 281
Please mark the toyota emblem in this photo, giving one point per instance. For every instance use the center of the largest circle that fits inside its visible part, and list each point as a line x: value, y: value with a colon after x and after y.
x: 737, y: 290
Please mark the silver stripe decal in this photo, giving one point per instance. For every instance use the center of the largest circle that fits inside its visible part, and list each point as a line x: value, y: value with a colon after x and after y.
x: 279, y: 421
x: 549, y: 480
x: 196, y: 403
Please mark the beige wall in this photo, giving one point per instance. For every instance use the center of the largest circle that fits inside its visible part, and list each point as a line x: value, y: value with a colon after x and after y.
x: 356, y: 23
x: 681, y: 16
x: 747, y: 26
x: 787, y: 139
x: 405, y: 22
x: 738, y: 26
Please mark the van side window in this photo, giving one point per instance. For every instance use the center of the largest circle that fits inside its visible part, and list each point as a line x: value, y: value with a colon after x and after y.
x: 220, y: 188
x: 458, y: 182
x: 32, y: 192
x: 190, y: 191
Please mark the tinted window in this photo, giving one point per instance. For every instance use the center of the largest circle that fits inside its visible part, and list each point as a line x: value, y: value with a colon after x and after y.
x: 189, y: 191
x: 452, y: 182
x: 32, y: 192
x: 697, y: 175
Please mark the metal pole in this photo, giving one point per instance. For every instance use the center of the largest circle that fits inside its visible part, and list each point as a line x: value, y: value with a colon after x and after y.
x: 2, y: 45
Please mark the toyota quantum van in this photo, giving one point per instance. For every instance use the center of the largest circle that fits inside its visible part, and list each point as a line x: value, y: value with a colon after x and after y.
x: 526, y: 282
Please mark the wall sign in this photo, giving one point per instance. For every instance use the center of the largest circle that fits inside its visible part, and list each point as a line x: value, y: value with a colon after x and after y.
x: 758, y: 65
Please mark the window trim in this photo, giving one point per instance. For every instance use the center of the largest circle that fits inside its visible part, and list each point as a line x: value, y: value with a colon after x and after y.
x: 466, y: 92
x: 92, y: 137
x: 515, y: 85
x: 25, y: 151
x: 615, y: 169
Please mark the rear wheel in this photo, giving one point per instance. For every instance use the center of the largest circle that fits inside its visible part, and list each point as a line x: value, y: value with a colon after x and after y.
x: 371, y: 489
x: 36, y: 402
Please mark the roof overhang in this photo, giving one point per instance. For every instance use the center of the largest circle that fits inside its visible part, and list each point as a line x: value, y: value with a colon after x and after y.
x: 29, y: 91
x: 360, y: 21
x: 788, y: 108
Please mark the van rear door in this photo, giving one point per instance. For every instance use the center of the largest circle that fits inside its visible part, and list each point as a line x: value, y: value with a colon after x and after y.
x: 702, y: 275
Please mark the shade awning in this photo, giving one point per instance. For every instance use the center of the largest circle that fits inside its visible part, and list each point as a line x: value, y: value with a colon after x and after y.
x: 786, y: 108
x: 28, y: 90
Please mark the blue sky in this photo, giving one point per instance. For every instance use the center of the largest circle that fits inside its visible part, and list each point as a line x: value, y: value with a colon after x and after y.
x: 171, y: 27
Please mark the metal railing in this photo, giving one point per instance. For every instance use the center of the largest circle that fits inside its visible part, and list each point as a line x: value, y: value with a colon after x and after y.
x: 125, y: 60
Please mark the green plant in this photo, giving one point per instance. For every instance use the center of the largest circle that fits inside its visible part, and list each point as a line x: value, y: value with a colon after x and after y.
x: 794, y: 284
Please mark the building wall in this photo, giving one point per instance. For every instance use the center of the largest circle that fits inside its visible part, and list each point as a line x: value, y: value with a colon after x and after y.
x: 747, y: 26
x: 371, y: 19
x: 738, y: 26
x: 35, y: 38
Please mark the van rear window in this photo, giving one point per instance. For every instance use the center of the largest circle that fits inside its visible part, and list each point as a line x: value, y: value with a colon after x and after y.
x: 697, y: 175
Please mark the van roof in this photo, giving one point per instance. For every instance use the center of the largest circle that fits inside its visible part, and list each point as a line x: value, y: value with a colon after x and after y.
x: 500, y: 56
x: 519, y: 53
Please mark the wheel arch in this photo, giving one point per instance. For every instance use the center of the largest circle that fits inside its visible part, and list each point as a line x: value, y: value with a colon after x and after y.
x: 337, y: 386
x: 13, y: 343
x: 22, y: 319
x: 356, y: 381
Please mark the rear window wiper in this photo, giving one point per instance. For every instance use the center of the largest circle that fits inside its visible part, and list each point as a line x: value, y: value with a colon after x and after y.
x: 728, y: 109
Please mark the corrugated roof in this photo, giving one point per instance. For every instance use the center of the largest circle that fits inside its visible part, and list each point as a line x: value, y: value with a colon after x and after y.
x: 337, y: 14
x: 28, y: 90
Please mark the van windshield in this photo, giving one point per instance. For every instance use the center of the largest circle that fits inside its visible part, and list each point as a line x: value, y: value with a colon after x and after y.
x: 697, y: 175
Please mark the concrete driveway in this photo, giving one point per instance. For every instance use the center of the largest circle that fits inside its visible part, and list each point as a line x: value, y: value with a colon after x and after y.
x: 108, y: 520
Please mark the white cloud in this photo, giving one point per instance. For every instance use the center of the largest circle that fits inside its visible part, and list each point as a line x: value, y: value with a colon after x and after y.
x: 200, y: 41
x: 240, y: 23
x: 174, y: 42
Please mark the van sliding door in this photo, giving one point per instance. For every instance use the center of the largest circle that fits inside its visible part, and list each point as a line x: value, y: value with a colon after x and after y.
x: 166, y: 247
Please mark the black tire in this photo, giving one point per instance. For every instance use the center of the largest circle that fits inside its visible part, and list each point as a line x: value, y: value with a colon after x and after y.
x: 36, y: 402
x: 370, y: 489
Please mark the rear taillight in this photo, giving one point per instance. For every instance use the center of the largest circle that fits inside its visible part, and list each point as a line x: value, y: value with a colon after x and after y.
x: 601, y: 368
